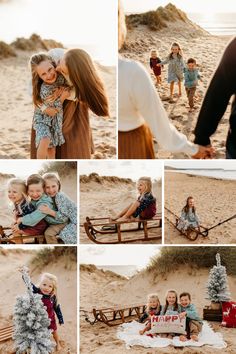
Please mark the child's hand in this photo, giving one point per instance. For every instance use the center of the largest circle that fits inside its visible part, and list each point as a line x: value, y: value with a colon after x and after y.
x: 23, y: 268
x: 19, y: 221
x: 15, y: 228
x: 182, y: 314
x: 51, y: 111
x: 46, y: 210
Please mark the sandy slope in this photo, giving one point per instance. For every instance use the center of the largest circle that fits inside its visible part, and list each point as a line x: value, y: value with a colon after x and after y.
x: 196, y: 43
x: 108, y: 199
x: 16, y: 110
x: 13, y: 286
x: 215, y: 200
x: 105, y: 289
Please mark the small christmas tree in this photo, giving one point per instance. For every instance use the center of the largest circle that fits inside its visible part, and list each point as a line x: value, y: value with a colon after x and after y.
x: 31, y: 322
x: 217, y: 285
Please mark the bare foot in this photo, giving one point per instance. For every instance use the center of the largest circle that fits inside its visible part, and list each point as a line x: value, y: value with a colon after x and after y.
x: 123, y: 218
x: 194, y: 337
x: 182, y: 338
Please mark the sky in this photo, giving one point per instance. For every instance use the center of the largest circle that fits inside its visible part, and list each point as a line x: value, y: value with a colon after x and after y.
x: 89, y: 24
x: 117, y: 255
x: 199, y: 6
x: 125, y: 169
x: 207, y: 164
x: 20, y: 168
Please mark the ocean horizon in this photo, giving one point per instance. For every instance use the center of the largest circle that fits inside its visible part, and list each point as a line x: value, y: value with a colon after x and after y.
x: 213, y: 173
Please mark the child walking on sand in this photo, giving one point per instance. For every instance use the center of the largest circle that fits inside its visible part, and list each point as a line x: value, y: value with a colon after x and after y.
x: 188, y: 219
x: 17, y: 193
x: 153, y: 308
x: 48, y: 127
x: 144, y: 207
x: 191, y: 76
x: 35, y: 189
x: 175, y: 69
x: 48, y: 289
x: 66, y: 208
x: 171, y: 307
x: 193, y: 320
x: 154, y: 60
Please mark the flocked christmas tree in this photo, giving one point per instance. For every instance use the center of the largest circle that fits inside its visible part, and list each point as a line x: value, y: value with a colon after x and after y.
x: 31, y: 322
x: 217, y: 285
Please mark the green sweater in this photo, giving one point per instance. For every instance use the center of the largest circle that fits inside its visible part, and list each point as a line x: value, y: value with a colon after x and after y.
x: 37, y: 215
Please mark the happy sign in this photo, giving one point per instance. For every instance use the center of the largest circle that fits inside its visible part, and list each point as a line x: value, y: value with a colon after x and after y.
x: 168, y: 324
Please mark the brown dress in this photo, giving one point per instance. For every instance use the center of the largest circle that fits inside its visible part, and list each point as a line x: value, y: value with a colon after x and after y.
x: 77, y: 133
x: 136, y: 144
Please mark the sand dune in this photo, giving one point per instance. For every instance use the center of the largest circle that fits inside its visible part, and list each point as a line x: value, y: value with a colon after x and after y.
x: 107, y: 198
x: 16, y: 111
x: 215, y: 200
x: 104, y: 289
x: 13, y: 286
x: 196, y: 43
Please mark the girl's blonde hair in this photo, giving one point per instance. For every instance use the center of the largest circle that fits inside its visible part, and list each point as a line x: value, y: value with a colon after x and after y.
x: 34, y: 61
x: 176, y: 301
x: 52, y: 278
x: 121, y: 26
x: 153, y: 297
x: 153, y: 50
x: 53, y: 176
x: 179, y: 54
x: 20, y: 183
x: 148, y: 183
x: 88, y: 86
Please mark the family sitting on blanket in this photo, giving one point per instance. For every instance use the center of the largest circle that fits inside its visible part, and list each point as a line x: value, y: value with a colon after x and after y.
x: 145, y: 205
x: 41, y: 208
x: 184, y: 310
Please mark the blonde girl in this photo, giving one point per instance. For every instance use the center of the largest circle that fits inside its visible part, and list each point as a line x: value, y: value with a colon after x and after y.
x: 47, y: 287
x: 17, y: 193
x: 144, y: 207
x: 66, y: 208
x: 175, y: 68
x: 153, y: 308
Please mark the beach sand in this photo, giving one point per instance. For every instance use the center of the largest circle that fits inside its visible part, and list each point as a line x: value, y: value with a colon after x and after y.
x: 69, y: 187
x: 108, y: 198
x: 104, y: 289
x: 13, y: 286
x: 215, y: 200
x: 197, y: 43
x: 16, y: 110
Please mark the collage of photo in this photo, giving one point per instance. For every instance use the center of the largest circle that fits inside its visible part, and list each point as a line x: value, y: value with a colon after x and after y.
x: 117, y: 176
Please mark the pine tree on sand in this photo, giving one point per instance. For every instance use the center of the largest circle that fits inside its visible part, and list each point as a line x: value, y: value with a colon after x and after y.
x: 31, y: 322
x: 217, y: 285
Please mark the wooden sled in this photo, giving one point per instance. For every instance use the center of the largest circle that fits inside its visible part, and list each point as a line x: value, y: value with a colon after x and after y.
x: 102, y: 226
x: 113, y: 316
x: 6, y: 333
x: 6, y: 237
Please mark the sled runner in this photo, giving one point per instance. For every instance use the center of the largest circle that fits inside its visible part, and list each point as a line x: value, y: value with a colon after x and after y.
x: 6, y: 333
x: 6, y: 237
x: 103, y: 226
x: 113, y: 316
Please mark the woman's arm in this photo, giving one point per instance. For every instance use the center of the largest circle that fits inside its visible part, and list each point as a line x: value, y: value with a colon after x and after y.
x: 221, y: 88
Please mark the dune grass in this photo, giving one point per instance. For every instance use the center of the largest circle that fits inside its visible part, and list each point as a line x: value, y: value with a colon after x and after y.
x: 172, y: 258
x: 66, y: 256
x: 63, y: 168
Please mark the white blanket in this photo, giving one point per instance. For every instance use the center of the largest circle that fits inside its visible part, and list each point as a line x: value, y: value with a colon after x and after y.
x: 129, y: 333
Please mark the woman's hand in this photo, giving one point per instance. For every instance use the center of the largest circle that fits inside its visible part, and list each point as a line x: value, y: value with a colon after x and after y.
x: 51, y: 111
x: 46, y: 210
x: 204, y: 152
x: 65, y: 94
x: 57, y: 93
x: 182, y: 315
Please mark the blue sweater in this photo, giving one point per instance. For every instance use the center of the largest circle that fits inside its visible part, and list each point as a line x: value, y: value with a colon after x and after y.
x: 191, y: 312
x: 191, y: 77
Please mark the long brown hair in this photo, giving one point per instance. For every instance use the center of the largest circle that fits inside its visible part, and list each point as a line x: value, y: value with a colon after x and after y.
x: 179, y: 54
x: 35, y: 60
x: 89, y: 87
x: 176, y: 301
x: 186, y: 207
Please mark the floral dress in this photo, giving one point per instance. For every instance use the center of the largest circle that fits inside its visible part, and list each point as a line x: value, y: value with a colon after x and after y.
x: 175, y: 68
x: 187, y: 220
x: 67, y: 208
x: 43, y: 124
